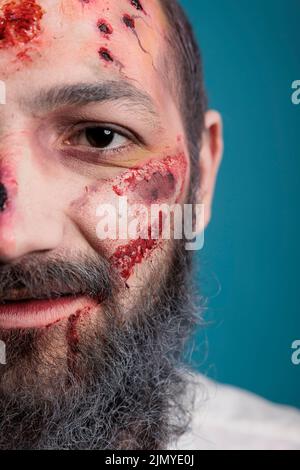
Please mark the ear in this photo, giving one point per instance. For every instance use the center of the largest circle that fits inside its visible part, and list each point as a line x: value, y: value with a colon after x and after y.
x: 209, y: 162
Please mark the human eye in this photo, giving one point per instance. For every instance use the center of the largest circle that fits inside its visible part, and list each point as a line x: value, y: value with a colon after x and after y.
x: 97, y: 143
x: 98, y: 137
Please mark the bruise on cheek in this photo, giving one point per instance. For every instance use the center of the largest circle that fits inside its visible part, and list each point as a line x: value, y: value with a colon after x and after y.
x: 158, y: 180
x: 157, y: 189
x: 20, y: 22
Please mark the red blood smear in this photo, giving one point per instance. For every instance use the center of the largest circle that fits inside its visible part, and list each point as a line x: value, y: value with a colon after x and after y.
x: 72, y: 336
x: 128, y: 256
x: 72, y: 333
x: 19, y: 22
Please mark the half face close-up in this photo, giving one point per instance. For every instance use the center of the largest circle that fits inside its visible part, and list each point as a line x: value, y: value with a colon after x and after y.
x: 93, y: 112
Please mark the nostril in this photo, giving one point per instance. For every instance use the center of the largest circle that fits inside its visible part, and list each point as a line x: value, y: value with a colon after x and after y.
x: 3, y: 197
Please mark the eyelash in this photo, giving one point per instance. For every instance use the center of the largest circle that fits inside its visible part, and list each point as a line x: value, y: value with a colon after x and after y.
x: 82, y: 152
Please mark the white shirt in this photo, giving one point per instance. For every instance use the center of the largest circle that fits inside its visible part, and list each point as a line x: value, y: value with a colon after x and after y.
x: 226, y: 418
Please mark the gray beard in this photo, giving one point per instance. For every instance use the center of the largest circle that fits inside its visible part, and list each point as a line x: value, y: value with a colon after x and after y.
x: 128, y: 389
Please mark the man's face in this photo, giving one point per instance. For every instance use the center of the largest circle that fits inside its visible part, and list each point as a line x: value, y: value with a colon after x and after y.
x: 92, y: 325
x: 88, y: 118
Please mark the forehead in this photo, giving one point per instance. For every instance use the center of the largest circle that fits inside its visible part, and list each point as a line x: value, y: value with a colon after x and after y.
x: 66, y: 41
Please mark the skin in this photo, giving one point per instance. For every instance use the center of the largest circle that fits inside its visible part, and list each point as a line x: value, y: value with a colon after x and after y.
x: 42, y: 155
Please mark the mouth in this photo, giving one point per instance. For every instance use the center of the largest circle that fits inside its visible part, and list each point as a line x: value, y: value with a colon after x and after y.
x: 30, y: 313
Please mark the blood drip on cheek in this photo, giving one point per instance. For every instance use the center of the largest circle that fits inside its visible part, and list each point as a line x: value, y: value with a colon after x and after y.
x: 20, y: 22
x: 72, y: 333
x: 73, y: 337
x: 128, y: 256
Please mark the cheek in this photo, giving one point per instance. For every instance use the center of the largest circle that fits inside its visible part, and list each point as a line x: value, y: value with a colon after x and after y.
x: 156, y: 182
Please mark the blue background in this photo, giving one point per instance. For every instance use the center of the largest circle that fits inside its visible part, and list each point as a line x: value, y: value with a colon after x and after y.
x: 249, y: 267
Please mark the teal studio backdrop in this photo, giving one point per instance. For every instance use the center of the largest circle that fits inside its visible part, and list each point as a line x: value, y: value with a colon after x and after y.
x: 249, y: 267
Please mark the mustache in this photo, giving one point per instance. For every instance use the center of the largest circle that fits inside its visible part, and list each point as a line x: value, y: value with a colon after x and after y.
x: 40, y: 278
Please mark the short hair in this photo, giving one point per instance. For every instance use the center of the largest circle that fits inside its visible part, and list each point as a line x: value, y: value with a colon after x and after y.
x: 184, y: 60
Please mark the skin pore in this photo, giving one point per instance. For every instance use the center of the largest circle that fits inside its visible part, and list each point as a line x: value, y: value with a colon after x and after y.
x: 89, y: 118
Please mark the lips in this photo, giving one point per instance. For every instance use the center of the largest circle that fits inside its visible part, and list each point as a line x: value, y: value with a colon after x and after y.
x: 41, y: 313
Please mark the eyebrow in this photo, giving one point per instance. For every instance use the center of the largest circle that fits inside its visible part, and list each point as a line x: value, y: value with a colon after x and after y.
x: 84, y: 93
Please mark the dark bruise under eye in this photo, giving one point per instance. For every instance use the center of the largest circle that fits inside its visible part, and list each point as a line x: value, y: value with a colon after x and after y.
x: 99, y: 137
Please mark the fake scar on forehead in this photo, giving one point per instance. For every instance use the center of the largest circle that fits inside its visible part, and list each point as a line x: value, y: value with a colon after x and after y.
x: 128, y: 20
x: 20, y: 22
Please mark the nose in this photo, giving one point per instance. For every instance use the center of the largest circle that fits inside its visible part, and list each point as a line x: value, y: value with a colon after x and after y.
x: 30, y: 220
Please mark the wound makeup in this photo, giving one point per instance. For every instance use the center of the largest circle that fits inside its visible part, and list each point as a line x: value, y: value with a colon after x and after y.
x: 157, y: 181
x: 105, y: 28
x: 3, y: 197
x: 105, y: 55
x: 126, y: 257
x: 137, y: 5
x: 20, y: 22
x: 129, y: 21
